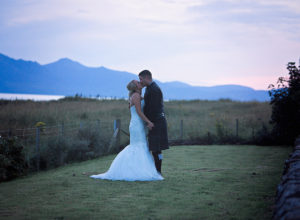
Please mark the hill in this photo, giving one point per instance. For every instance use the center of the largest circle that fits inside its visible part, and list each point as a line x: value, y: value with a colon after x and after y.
x: 68, y: 77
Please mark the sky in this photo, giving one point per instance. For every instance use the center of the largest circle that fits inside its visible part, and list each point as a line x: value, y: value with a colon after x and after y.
x: 199, y: 42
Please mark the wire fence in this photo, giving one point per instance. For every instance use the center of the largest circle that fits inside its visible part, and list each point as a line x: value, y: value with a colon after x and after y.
x: 54, y: 145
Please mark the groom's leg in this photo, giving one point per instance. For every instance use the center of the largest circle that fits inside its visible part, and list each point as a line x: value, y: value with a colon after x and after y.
x: 160, y: 157
x: 158, y: 160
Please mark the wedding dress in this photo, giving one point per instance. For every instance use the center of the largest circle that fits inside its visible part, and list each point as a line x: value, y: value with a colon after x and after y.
x: 135, y: 161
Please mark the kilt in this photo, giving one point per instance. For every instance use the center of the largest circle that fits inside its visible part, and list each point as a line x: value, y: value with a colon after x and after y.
x: 158, y: 135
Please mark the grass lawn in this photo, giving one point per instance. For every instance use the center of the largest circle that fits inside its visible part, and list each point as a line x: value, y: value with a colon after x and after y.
x: 201, y: 182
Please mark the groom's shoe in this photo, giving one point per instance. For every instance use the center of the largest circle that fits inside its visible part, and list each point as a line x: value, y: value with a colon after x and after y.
x: 160, y: 158
x: 159, y: 166
x: 157, y: 160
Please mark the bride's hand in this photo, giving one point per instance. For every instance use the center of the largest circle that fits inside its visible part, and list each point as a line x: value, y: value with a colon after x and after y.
x: 150, y: 125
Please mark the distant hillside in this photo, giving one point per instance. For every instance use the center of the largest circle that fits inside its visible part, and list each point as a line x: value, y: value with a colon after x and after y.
x: 67, y: 77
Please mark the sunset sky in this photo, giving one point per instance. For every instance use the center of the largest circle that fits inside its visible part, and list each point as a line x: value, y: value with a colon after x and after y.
x: 200, y: 42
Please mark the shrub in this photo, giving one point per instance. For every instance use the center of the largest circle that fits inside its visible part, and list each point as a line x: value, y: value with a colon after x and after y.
x: 285, y: 101
x: 55, y: 151
x: 12, y: 160
x: 78, y: 151
x: 96, y: 142
x: 220, y: 129
x: 264, y: 137
x: 86, y: 144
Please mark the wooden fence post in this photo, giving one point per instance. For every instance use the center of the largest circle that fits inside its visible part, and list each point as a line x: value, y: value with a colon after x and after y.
x: 237, y: 127
x: 10, y: 133
x: 23, y: 133
x: 61, y: 159
x: 98, y: 125
x: 117, y: 125
x: 62, y: 129
x: 181, y: 129
x: 37, y: 144
x: 115, y: 140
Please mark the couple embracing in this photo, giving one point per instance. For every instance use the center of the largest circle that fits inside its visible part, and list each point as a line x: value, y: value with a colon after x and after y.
x: 135, y: 162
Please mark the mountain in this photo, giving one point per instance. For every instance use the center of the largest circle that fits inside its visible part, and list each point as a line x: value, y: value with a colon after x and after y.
x: 68, y: 77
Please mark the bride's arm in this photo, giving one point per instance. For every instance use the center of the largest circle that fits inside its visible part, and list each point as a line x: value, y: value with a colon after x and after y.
x: 136, y: 100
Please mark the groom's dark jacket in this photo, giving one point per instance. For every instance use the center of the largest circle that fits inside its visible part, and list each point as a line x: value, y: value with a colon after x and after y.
x: 154, y: 107
x: 154, y: 111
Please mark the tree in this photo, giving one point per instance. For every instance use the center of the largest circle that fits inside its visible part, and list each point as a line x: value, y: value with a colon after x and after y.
x: 285, y: 101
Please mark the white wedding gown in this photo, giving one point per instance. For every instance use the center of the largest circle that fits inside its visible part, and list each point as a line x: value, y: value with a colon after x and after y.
x: 135, y: 161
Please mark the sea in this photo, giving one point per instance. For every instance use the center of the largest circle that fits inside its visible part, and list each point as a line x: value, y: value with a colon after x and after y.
x: 34, y: 97
x: 39, y: 97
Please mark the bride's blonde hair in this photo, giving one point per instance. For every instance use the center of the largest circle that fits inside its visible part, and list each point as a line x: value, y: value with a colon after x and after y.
x: 131, y: 87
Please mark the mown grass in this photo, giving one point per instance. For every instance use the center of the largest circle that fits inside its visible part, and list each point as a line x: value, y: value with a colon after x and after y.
x: 201, y: 182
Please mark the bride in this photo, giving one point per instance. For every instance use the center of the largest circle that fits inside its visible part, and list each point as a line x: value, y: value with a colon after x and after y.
x: 134, y: 162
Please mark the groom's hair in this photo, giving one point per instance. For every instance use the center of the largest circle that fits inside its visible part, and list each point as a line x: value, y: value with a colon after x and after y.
x: 146, y: 73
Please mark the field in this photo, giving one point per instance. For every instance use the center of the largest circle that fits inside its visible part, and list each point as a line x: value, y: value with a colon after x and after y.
x: 77, y: 129
x: 199, y: 117
x: 201, y: 182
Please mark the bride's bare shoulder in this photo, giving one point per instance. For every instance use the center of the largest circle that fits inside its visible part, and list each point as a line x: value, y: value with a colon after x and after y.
x: 135, y: 98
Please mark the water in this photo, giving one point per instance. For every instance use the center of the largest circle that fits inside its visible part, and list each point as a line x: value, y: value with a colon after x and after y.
x: 35, y: 97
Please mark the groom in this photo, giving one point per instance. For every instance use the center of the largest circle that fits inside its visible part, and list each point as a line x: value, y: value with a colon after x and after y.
x: 154, y: 111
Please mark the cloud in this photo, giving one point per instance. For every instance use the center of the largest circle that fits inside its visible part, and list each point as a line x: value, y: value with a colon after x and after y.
x: 196, y: 41
x: 257, y: 13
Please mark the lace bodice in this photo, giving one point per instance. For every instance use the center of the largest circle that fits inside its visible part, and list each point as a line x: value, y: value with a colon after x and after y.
x: 136, y: 126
